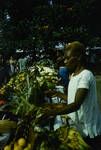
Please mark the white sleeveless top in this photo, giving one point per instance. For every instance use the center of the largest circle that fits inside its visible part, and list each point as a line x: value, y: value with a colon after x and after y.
x: 88, y: 117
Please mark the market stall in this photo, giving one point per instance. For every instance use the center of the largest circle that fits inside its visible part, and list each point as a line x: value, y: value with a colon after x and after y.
x: 20, y: 125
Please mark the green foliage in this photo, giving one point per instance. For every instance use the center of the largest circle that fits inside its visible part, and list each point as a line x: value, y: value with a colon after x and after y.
x: 37, y: 19
x: 27, y: 88
x: 95, y: 41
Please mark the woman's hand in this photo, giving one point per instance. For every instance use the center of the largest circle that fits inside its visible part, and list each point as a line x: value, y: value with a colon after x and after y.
x: 49, y: 111
x: 45, y: 113
x: 53, y: 93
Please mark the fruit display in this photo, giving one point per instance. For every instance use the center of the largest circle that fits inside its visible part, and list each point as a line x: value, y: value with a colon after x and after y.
x: 20, y: 144
x: 20, y: 138
x: 28, y: 135
x: 23, y: 118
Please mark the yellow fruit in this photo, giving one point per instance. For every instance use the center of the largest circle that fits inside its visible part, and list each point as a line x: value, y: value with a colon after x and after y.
x: 26, y: 148
x: 29, y: 145
x: 17, y: 147
x: 15, y: 144
x: 22, y: 142
x: 7, y: 147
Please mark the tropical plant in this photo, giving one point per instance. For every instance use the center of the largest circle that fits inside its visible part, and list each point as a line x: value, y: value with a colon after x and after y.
x: 26, y: 89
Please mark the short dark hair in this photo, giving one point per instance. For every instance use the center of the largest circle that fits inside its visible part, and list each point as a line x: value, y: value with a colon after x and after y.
x: 76, y: 47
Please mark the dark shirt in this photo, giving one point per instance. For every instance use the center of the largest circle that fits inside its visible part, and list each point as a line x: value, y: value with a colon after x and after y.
x: 4, y: 75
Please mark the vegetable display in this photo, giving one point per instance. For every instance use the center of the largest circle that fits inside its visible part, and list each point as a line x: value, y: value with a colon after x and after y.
x: 25, y: 95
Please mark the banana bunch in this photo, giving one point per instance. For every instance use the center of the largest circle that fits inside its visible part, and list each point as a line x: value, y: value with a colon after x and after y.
x: 7, y: 125
x: 75, y: 140
x: 71, y: 139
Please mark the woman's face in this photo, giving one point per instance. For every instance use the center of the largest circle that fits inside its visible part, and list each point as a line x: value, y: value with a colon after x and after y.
x: 70, y: 60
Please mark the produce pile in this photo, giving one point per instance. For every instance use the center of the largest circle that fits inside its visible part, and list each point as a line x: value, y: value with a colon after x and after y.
x: 28, y: 134
x: 20, y: 139
x: 26, y: 89
x: 25, y: 97
x: 18, y: 145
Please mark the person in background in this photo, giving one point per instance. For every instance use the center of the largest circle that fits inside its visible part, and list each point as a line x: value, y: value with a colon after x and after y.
x: 12, y: 63
x: 4, y: 72
x: 63, y: 73
x: 1, y: 59
x: 82, y: 104
x: 22, y: 63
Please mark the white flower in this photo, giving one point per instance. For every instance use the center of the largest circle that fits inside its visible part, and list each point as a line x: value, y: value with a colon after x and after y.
x: 48, y: 70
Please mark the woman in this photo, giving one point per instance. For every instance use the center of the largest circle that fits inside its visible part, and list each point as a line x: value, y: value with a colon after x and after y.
x: 82, y: 105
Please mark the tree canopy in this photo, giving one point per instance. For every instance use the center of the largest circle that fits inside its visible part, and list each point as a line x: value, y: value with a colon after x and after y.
x: 26, y: 23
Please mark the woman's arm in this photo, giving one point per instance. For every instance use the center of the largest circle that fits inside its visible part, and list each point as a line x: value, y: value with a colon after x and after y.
x: 61, y: 108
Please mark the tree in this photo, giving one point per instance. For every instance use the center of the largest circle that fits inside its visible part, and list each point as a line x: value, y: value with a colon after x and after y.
x: 35, y: 19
